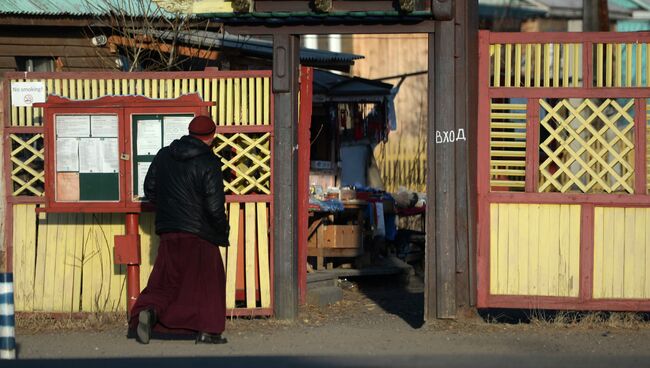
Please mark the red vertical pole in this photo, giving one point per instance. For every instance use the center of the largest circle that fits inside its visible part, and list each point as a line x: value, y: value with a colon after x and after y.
x: 640, y: 136
x: 483, y: 171
x: 132, y: 270
x: 532, y: 145
x: 304, y: 126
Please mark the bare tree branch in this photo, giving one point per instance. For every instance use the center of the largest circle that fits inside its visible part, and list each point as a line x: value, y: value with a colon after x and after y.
x: 148, y: 36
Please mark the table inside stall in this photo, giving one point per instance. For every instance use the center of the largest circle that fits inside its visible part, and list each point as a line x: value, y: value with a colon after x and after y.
x: 337, y: 234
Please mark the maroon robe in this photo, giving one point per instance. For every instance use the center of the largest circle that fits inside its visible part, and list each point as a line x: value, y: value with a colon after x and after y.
x: 187, y: 287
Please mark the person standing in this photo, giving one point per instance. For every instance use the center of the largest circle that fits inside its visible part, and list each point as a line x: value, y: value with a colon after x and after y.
x: 186, y: 288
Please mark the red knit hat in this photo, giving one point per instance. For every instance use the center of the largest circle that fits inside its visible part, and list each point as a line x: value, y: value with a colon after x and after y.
x: 202, y: 125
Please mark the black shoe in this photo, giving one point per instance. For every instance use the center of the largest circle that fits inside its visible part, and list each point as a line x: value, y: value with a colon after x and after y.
x: 206, y: 338
x: 146, y: 321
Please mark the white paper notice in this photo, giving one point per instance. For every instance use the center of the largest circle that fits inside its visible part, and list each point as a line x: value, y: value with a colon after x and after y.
x: 149, y: 137
x: 143, y: 168
x: 103, y: 126
x: 109, y: 154
x: 72, y: 126
x: 67, y: 154
x: 174, y: 127
x: 89, y: 155
x: 27, y: 93
x: 98, y: 155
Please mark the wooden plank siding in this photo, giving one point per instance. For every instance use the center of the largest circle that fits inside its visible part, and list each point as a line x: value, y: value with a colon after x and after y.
x: 64, y: 262
x: 621, y: 253
x: 67, y: 265
x: 535, y: 249
x: 72, y: 46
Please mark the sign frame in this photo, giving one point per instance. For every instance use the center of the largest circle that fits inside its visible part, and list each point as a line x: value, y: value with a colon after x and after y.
x: 124, y: 107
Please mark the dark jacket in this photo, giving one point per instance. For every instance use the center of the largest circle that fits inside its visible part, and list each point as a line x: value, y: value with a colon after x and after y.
x: 184, y: 182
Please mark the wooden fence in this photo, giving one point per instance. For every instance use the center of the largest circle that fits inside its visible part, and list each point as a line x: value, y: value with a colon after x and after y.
x: 402, y: 162
x: 64, y: 263
x: 563, y: 171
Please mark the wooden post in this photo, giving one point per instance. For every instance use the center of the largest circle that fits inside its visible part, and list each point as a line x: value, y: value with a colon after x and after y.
x: 306, y: 92
x: 285, y: 90
x: 445, y: 166
x: 441, y: 183
x: 461, y: 147
x: 132, y: 226
x: 430, y: 306
x: 466, y: 88
x: 595, y: 16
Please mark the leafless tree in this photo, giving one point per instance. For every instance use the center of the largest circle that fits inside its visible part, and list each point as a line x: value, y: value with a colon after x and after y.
x: 146, y: 34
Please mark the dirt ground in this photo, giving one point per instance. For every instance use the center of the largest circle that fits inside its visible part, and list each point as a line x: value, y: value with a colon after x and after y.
x: 377, y: 324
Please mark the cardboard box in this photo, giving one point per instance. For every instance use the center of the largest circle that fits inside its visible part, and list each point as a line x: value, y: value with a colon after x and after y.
x: 338, y: 236
x: 347, y: 194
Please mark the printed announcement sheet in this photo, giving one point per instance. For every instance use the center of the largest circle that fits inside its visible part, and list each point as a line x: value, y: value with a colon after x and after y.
x: 143, y: 167
x: 174, y: 127
x: 98, y: 155
x: 149, y: 137
x: 67, y: 154
x: 103, y: 126
x: 72, y: 126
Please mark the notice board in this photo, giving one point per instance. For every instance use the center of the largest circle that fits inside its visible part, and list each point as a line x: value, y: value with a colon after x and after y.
x: 87, y: 155
x: 98, y: 152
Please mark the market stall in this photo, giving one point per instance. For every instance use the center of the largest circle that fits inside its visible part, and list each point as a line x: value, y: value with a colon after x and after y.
x: 350, y: 215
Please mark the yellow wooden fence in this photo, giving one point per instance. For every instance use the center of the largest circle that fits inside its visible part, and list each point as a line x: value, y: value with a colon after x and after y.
x: 565, y: 171
x: 402, y: 162
x: 64, y: 262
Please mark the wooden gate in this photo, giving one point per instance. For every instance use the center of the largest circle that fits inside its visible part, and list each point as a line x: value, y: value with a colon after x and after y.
x: 564, y: 210
x: 64, y: 262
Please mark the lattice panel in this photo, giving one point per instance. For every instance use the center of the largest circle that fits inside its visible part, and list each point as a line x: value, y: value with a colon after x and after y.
x: 589, y: 146
x: 246, y: 162
x: 507, y: 147
x: 27, y: 164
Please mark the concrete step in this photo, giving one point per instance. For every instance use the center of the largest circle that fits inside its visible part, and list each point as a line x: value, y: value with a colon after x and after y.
x: 321, y: 279
x: 324, y: 296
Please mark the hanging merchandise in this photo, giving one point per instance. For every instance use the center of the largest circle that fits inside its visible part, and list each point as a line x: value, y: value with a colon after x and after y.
x: 358, y: 123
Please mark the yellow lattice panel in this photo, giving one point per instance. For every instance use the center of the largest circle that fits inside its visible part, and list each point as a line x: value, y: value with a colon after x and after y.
x: 536, y: 65
x: 621, y: 64
x: 534, y: 249
x: 238, y: 101
x: 621, y: 253
x: 589, y: 147
x: 507, y: 146
x: 27, y: 157
x: 246, y: 162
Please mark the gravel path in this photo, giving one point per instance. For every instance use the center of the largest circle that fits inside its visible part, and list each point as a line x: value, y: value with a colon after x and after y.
x: 375, y: 325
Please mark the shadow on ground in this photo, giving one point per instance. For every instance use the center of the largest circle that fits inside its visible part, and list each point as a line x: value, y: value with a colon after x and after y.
x: 444, y: 360
x: 391, y: 295
x: 516, y: 316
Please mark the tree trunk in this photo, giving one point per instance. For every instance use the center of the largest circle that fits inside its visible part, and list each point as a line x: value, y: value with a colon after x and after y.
x: 595, y: 16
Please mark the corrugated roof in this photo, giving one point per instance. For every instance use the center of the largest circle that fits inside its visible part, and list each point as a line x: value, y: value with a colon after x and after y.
x: 77, y: 8
x: 253, y: 46
x: 339, y: 86
x: 303, y: 17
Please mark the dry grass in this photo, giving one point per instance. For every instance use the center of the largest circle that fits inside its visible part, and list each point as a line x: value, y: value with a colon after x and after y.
x: 592, y: 320
x: 33, y: 323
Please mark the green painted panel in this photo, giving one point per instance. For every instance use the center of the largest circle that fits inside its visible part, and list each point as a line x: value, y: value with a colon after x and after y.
x: 99, y: 187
